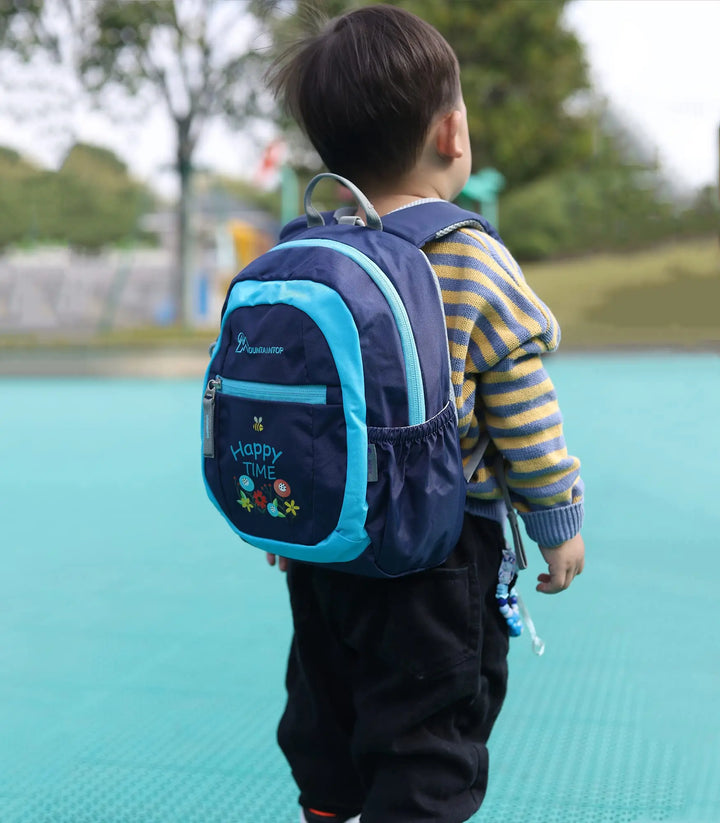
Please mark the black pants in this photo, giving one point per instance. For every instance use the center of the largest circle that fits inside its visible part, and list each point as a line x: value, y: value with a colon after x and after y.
x: 394, y: 685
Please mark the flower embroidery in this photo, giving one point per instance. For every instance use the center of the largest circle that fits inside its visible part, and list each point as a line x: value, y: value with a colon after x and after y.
x: 292, y: 508
x: 246, y: 483
x: 262, y: 499
x: 282, y: 488
x: 274, y: 510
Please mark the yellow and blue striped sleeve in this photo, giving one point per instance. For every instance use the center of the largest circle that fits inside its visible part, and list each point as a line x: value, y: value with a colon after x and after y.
x: 498, y: 328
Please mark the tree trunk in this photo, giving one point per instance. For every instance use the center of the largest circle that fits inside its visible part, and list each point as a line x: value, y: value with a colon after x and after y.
x: 182, y: 290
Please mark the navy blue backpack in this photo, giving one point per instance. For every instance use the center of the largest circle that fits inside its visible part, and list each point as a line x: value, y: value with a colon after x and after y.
x: 329, y: 424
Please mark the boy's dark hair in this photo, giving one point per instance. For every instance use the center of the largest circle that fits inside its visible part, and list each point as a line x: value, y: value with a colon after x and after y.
x: 366, y: 89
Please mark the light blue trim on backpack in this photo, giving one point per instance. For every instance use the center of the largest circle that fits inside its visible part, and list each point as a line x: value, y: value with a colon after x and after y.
x: 413, y: 374
x: 275, y: 392
x: 328, y: 310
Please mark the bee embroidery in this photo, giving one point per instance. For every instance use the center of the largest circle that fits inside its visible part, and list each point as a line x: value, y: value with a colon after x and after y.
x: 258, y: 424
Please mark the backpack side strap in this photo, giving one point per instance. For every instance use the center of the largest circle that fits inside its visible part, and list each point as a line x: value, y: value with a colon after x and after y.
x: 499, y: 468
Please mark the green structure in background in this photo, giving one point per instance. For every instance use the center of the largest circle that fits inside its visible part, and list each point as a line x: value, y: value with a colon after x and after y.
x: 483, y: 189
x: 290, y: 194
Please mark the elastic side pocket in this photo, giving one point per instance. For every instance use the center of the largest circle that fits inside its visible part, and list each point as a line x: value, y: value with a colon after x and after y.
x: 415, y: 508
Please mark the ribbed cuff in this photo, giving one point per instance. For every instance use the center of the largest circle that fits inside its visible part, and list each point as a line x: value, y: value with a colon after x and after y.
x: 553, y: 526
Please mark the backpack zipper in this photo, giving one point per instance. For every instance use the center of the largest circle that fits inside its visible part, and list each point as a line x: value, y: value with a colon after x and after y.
x: 276, y: 392
x: 413, y: 374
x: 208, y: 427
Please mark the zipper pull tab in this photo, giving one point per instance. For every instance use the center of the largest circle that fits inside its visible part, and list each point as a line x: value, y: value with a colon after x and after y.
x: 209, y: 418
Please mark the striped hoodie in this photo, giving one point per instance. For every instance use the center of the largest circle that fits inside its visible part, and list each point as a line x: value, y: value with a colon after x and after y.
x: 497, y: 330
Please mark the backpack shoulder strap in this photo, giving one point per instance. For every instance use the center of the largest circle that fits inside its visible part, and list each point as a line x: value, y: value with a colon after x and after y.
x: 424, y: 222
x: 418, y: 224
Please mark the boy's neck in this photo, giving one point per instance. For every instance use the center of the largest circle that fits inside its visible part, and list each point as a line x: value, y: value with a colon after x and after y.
x: 430, y: 179
x: 385, y: 203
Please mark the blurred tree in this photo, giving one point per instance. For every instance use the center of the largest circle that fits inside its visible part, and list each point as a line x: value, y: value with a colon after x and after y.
x: 98, y: 203
x: 91, y: 202
x: 520, y: 69
x: 22, y: 28
x: 36, y: 90
x: 22, y: 34
x: 617, y: 200
x: 194, y: 57
x: 16, y: 216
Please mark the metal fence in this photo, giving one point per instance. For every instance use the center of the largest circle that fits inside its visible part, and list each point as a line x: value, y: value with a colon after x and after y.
x: 62, y: 291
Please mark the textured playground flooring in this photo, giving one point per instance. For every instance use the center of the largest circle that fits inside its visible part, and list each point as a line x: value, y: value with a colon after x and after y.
x: 142, y: 648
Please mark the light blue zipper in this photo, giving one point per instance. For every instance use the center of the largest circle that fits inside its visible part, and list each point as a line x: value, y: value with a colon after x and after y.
x: 413, y: 374
x: 271, y: 391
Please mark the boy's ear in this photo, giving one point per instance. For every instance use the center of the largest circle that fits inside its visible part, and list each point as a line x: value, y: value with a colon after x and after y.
x: 447, y: 137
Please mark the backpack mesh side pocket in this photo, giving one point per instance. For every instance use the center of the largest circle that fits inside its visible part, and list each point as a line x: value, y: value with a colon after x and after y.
x: 416, y: 504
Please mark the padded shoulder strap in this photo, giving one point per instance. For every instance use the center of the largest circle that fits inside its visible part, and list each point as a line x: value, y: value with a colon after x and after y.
x: 417, y: 224
x: 430, y: 221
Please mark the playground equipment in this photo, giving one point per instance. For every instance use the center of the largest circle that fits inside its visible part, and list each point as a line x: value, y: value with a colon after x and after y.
x: 483, y: 189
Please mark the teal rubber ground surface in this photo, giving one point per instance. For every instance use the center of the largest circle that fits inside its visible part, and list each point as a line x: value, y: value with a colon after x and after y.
x: 142, y: 649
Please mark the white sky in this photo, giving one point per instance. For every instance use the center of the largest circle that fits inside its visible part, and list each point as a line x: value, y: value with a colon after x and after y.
x: 657, y: 62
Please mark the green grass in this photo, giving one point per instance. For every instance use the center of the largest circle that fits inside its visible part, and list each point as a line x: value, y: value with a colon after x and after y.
x: 668, y: 297
x: 130, y: 340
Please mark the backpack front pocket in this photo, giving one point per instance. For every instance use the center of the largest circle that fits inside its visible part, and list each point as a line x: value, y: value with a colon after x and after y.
x: 266, y: 447
x: 284, y: 458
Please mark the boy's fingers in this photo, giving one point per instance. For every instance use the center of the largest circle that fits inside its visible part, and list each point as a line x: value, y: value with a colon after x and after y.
x: 555, y: 582
x: 543, y: 580
x: 549, y: 584
x: 282, y: 562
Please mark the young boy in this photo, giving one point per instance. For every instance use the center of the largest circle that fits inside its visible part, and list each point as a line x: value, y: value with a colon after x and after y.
x: 394, y: 685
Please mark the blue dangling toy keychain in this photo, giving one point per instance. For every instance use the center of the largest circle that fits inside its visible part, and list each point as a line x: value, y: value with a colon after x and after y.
x: 507, y: 597
x: 511, y: 605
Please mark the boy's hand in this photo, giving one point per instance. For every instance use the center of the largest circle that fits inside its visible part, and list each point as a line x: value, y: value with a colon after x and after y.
x: 281, y: 561
x: 564, y: 562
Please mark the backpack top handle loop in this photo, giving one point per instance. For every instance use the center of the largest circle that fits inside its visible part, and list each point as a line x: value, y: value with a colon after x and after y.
x: 314, y: 218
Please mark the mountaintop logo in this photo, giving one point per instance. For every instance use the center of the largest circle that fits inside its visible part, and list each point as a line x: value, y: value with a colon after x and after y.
x: 244, y: 347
